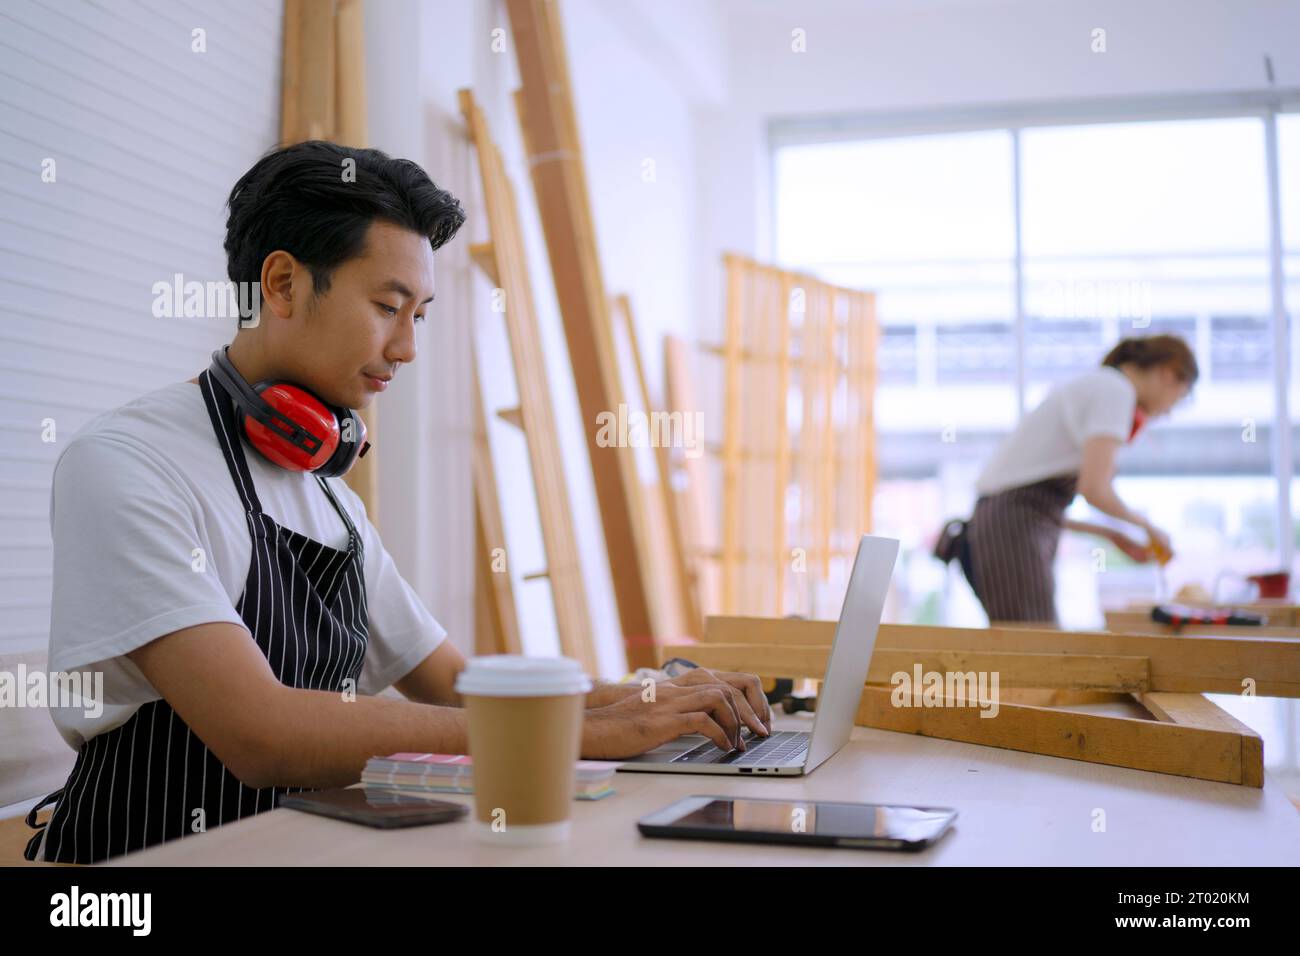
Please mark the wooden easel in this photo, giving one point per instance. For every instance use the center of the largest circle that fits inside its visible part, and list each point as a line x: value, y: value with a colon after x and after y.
x: 1189, y: 735
x: 503, y: 261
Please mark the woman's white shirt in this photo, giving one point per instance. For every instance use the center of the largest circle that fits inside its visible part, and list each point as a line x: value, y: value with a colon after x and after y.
x: 1049, y: 440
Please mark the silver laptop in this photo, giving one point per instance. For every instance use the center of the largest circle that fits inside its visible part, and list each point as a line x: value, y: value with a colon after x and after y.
x: 791, y: 753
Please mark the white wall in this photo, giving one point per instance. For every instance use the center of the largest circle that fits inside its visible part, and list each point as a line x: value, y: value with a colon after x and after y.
x: 146, y: 135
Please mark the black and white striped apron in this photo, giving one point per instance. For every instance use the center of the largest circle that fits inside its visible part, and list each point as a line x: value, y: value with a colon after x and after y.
x: 144, y: 782
x: 1013, y: 536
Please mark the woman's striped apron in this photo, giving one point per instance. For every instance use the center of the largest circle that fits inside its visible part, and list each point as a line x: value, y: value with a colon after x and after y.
x: 152, y: 779
x: 1013, y: 536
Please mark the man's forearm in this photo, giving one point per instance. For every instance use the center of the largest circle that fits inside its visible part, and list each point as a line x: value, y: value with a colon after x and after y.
x: 324, y: 740
x: 605, y: 692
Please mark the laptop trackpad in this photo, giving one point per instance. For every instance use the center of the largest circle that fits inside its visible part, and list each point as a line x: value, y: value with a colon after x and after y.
x: 666, y: 753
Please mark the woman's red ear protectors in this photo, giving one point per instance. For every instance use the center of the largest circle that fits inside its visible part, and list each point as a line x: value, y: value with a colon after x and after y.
x: 1139, y: 419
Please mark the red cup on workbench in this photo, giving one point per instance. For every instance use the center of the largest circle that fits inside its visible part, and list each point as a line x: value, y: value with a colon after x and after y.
x: 1275, y: 584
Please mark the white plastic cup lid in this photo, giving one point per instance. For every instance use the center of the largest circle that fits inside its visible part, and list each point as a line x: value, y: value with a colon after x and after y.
x: 514, y: 675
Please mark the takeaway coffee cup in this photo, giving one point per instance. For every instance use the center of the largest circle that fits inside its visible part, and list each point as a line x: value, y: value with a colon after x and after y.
x: 525, y: 735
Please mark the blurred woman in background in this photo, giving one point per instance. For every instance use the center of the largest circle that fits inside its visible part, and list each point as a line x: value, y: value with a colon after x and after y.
x: 1065, y: 446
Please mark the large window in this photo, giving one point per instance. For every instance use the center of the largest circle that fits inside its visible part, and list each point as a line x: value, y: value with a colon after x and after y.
x: 929, y: 224
x: 1124, y: 228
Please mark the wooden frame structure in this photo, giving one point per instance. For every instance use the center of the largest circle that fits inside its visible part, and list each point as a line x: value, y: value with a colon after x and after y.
x: 798, y: 440
x: 550, y: 132
x: 1189, y: 735
x: 323, y: 96
x: 503, y: 261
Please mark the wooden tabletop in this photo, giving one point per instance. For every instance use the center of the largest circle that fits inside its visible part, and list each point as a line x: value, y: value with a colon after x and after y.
x: 1014, y: 809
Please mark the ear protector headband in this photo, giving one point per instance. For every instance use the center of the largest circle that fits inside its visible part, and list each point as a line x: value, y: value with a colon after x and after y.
x: 290, y: 425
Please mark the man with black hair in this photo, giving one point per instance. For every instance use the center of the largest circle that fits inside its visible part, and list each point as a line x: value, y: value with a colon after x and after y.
x: 237, y: 599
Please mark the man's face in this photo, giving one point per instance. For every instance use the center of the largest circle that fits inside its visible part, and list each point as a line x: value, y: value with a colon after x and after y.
x: 345, y: 343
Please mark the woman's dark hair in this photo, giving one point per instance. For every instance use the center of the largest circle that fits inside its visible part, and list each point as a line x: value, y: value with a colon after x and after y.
x: 1151, y: 350
x: 308, y: 200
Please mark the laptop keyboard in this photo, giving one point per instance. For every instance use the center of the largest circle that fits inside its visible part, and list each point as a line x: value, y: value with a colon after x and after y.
x: 777, y: 749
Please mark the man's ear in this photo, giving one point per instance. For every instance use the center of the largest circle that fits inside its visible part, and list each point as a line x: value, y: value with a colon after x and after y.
x: 278, y: 271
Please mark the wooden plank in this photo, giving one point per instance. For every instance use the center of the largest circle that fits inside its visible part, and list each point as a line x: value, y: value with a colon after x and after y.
x: 535, y: 412
x: 550, y: 132
x: 863, y: 368
x: 666, y: 621
x: 826, y: 460
x: 755, y: 357
x: 1194, y: 710
x: 307, y: 87
x: 1153, y: 745
x: 739, y: 629
x: 782, y: 424
x: 323, y: 96
x: 1098, y: 672
x: 684, y: 590
x: 695, y: 501
x: 1182, y: 664
x: 496, y: 620
x: 813, y: 367
x: 350, y: 121
x: 731, y: 444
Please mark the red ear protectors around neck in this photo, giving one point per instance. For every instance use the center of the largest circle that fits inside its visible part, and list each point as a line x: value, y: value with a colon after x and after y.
x: 1139, y: 419
x: 291, y: 426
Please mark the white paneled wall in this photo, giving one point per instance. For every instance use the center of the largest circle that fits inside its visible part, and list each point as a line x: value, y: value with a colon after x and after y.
x: 119, y: 143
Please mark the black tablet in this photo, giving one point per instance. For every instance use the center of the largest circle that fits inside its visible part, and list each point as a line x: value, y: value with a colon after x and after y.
x: 375, y: 807
x: 866, y: 826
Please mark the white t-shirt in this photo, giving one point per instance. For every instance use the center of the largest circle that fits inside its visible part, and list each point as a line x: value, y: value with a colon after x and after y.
x: 135, y: 492
x: 1049, y: 440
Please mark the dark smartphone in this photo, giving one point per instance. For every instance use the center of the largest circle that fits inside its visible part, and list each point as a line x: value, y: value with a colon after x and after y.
x: 376, y: 808
x: 866, y: 826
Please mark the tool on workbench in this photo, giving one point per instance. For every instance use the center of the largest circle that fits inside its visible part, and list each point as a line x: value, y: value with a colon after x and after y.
x: 1176, y: 615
